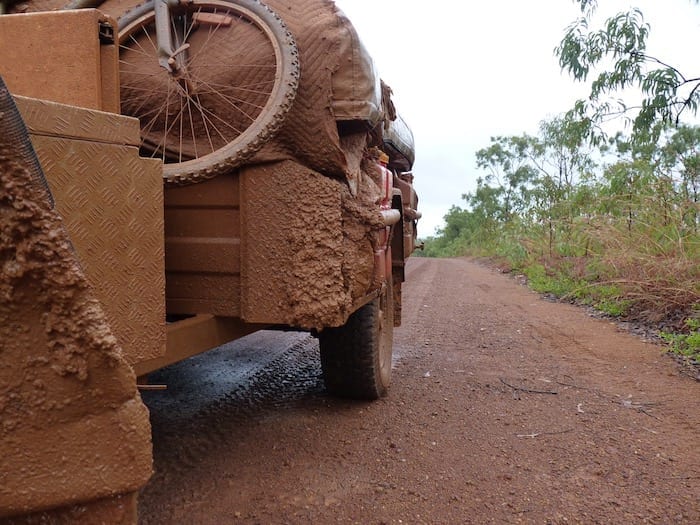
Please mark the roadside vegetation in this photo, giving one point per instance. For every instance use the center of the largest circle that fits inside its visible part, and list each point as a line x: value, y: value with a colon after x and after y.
x: 607, y: 220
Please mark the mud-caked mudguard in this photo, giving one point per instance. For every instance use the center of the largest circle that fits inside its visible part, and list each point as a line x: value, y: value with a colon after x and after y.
x: 73, y: 430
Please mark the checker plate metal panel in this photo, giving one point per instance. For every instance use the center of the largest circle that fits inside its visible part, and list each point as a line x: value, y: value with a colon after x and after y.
x: 112, y: 204
x: 52, y: 119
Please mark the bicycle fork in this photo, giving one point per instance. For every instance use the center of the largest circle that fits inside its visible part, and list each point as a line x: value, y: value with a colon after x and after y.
x: 172, y: 49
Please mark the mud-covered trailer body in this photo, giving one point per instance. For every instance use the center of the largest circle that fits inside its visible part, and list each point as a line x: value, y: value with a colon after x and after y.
x: 308, y: 234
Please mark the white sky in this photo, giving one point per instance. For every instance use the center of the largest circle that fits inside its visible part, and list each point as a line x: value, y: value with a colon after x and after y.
x: 465, y: 71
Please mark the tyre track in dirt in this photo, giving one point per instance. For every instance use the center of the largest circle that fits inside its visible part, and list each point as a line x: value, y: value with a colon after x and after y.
x: 505, y: 408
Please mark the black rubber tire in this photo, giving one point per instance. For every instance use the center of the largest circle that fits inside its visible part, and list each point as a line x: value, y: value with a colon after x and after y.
x: 356, y: 357
x: 196, y: 167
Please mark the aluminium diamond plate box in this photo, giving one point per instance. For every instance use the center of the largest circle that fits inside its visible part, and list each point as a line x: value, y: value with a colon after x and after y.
x: 111, y: 201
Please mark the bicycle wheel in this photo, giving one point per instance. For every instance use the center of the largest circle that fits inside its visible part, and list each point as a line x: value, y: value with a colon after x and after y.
x: 238, y: 79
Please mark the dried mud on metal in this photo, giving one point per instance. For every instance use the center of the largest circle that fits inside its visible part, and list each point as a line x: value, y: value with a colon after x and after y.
x: 505, y: 408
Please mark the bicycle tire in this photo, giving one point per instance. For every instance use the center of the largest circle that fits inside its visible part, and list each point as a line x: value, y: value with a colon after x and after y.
x: 247, y: 129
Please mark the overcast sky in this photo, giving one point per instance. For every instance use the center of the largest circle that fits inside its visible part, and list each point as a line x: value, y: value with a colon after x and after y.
x: 463, y: 72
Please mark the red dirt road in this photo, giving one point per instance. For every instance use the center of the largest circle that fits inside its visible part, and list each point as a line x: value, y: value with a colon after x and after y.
x: 504, y: 408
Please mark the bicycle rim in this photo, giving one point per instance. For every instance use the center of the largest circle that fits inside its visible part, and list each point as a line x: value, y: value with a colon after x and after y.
x: 238, y: 82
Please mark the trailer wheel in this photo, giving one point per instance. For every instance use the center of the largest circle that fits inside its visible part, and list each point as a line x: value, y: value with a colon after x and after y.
x: 356, y: 357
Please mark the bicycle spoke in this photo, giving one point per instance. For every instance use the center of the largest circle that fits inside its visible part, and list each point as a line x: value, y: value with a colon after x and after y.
x: 145, y: 83
x: 206, y: 129
x: 204, y: 111
x: 144, y: 100
x: 177, y: 118
x: 182, y: 122
x: 189, y: 112
x: 263, y: 44
x: 146, y: 129
x: 132, y: 87
x: 227, y: 91
x: 173, y: 32
x: 232, y: 66
x: 187, y: 33
x: 141, y: 50
x: 232, y: 102
x: 167, y: 114
x: 156, y: 110
x: 225, y: 87
x: 205, y: 44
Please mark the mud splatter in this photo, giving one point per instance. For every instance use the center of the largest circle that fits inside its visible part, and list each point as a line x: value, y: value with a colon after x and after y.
x: 73, y: 425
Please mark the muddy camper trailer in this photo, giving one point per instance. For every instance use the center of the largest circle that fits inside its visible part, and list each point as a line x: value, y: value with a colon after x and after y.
x: 158, y: 199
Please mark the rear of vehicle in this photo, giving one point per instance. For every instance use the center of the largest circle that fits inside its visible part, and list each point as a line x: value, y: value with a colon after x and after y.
x: 310, y: 231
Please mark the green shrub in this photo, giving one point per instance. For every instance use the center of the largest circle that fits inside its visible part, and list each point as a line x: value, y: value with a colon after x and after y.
x: 555, y: 282
x: 686, y: 344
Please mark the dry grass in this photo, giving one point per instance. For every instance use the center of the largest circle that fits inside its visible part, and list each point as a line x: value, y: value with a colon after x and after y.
x: 653, y: 273
x: 656, y: 269
x: 658, y: 288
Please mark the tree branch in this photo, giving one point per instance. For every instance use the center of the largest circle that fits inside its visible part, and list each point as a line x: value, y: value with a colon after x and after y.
x: 644, y: 56
x: 529, y: 391
x: 688, y: 100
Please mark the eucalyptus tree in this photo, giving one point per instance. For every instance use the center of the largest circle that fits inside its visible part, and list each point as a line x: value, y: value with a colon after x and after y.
x: 680, y: 158
x: 619, y: 47
x: 629, y: 180
x: 504, y: 192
